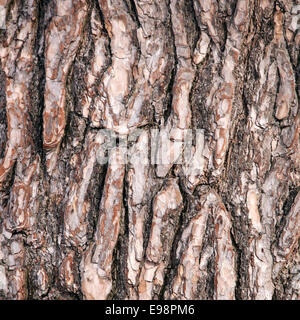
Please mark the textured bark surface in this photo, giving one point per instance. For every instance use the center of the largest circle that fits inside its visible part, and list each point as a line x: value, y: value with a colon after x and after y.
x: 221, y: 224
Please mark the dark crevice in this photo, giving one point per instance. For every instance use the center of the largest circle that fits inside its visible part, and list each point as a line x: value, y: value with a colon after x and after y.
x: 125, y: 205
x: 3, y: 115
x: 147, y: 227
x: 119, y: 263
x: 210, y: 280
x: 148, y: 220
x: 97, y: 201
x: 238, y: 255
x: 278, y: 84
x: 168, y: 109
x: 244, y: 103
x: 223, y: 47
x: 169, y: 93
x: 133, y: 12
x: 41, y: 79
x: 19, y: 232
x: 197, y: 67
x: 290, y: 200
x: 233, y: 9
x: 286, y: 208
x: 297, y: 79
x: 193, y: 29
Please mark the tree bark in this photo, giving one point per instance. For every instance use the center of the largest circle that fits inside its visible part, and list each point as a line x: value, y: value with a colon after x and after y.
x: 221, y: 223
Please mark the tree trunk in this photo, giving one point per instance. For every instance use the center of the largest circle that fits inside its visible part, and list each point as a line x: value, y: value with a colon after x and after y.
x: 101, y: 197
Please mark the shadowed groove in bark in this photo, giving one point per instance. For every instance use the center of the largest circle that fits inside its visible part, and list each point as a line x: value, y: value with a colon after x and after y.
x: 3, y: 117
x: 287, y: 205
x: 131, y: 4
x: 169, y: 92
x: 119, y: 287
x: 39, y: 83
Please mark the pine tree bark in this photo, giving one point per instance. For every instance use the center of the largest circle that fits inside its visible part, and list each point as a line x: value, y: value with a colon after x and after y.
x: 72, y: 227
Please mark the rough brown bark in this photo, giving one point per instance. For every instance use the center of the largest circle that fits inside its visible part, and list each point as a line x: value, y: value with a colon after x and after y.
x: 72, y: 227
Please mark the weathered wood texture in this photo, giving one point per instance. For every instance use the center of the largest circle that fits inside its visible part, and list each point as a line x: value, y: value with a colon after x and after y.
x: 72, y: 227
